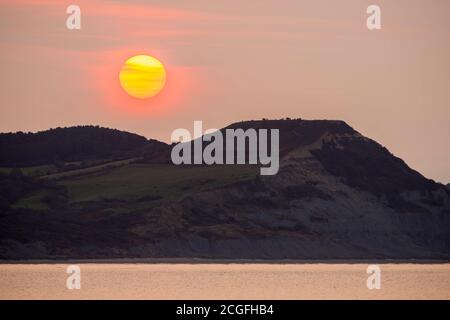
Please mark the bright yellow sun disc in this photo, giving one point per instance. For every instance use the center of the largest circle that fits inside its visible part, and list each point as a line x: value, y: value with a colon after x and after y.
x: 142, y: 76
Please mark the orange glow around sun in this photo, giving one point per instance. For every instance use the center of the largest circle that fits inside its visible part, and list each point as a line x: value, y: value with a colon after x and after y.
x: 183, y: 84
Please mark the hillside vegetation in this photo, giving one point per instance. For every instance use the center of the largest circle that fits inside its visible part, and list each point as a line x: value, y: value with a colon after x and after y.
x: 337, y: 195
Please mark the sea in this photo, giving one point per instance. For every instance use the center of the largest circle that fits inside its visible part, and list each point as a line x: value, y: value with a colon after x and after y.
x: 229, y: 280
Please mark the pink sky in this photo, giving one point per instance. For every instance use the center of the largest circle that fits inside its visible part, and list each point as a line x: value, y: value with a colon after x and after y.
x: 230, y: 60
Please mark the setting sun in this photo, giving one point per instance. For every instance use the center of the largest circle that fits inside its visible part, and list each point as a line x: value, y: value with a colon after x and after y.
x: 142, y: 76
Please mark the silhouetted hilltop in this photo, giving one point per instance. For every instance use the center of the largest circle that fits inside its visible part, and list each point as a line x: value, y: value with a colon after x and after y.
x: 295, y: 133
x: 69, y: 144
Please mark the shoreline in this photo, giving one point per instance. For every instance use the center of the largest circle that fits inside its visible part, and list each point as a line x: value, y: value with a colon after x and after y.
x: 224, y: 261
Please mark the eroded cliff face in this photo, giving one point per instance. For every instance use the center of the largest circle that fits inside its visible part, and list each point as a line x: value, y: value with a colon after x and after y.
x: 339, y: 195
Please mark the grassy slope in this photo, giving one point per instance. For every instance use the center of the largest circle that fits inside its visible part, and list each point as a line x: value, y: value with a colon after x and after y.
x: 138, y: 181
x: 90, y: 169
x: 137, y: 184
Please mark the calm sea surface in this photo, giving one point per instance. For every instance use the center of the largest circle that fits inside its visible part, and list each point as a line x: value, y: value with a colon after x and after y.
x: 224, y: 281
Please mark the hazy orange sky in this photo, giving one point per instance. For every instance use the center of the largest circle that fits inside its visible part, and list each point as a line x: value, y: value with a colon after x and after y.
x: 230, y: 60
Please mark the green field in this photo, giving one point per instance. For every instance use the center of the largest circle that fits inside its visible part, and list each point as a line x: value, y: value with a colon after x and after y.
x: 138, y: 186
x: 92, y: 167
x: 138, y: 181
